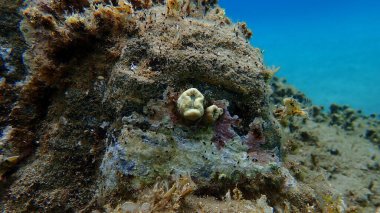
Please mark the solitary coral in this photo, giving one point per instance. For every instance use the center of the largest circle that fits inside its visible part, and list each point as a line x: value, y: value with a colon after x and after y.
x: 190, y: 104
x: 213, y: 112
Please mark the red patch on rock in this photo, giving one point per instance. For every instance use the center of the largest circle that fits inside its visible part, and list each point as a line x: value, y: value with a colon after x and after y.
x: 223, y: 127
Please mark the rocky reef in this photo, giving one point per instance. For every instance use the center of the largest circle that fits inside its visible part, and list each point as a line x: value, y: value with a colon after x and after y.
x: 163, y: 106
x: 333, y: 149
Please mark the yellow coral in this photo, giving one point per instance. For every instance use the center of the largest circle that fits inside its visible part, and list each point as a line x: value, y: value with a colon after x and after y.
x: 212, y: 114
x: 190, y: 104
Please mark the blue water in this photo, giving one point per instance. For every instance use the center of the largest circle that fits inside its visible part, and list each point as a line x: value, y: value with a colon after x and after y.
x: 328, y: 49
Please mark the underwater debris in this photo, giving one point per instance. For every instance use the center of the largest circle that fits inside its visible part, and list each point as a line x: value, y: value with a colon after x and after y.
x: 190, y: 104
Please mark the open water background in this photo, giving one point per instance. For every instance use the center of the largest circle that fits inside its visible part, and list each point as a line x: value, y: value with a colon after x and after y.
x: 329, y: 49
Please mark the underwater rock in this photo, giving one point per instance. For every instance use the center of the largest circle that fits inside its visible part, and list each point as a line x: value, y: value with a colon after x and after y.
x: 100, y: 123
x: 100, y: 103
x: 12, y: 75
x: 12, y: 44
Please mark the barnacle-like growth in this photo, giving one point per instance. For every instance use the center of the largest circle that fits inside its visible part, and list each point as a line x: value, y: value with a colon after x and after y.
x: 212, y: 114
x: 244, y: 29
x: 190, y: 104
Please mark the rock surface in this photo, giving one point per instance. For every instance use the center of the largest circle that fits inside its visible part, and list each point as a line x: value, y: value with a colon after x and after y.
x: 95, y: 124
